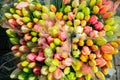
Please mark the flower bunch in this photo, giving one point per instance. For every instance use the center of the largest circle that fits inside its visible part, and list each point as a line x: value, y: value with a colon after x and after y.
x: 75, y: 42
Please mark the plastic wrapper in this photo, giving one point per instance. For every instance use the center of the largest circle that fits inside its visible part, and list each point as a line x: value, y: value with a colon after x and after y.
x: 69, y: 41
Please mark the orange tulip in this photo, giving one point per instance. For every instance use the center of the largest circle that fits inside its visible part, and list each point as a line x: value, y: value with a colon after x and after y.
x: 100, y: 62
x: 107, y: 48
x: 107, y: 56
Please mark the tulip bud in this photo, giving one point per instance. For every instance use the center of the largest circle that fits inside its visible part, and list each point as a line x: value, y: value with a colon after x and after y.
x: 31, y: 57
x: 100, y: 75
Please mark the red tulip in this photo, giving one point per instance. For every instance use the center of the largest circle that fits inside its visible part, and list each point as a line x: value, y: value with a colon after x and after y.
x: 15, y: 48
x: 57, y: 74
x: 98, y: 26
x: 100, y: 62
x: 31, y: 57
x: 37, y: 70
x: 93, y: 19
x: 12, y: 23
x: 86, y: 50
x: 107, y: 48
x: 50, y: 39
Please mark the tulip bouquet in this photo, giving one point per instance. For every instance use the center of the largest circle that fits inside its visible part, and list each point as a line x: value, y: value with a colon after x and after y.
x: 74, y: 42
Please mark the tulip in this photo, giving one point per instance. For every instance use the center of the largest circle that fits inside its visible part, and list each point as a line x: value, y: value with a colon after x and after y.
x: 87, y: 29
x: 37, y: 28
x: 103, y: 9
x: 23, y: 48
x: 57, y: 41
x: 66, y: 1
x: 86, y: 50
x: 100, y: 62
x: 67, y: 9
x: 9, y: 15
x: 31, y: 57
x: 92, y: 3
x: 40, y: 59
x: 57, y: 74
x: 12, y: 23
x: 107, y: 48
x: 100, y: 41
x: 37, y: 70
x: 84, y: 58
x: 98, y: 26
x: 70, y: 16
x: 67, y: 62
x: 53, y: 8
x: 22, y: 5
x: 15, y: 48
x: 44, y: 70
x: 58, y: 56
x: 100, y: 75
x: 85, y: 69
x: 93, y: 19
x: 98, y: 53
x: 95, y: 9
x: 25, y: 29
x: 20, y: 21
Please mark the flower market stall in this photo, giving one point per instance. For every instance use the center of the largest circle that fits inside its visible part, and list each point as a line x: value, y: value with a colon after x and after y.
x: 62, y: 40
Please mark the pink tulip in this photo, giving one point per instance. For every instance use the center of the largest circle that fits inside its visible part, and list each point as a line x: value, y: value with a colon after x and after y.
x: 19, y: 21
x: 86, y: 50
x: 100, y: 62
x: 57, y: 56
x: 86, y: 69
x: 87, y: 29
x: 62, y: 35
x: 22, y: 5
x: 40, y: 58
x: 37, y: 28
x: 66, y: 1
x: 107, y: 48
x: 98, y: 53
x: 31, y: 57
x: 93, y: 19
x: 12, y: 23
x: 37, y: 70
x: 41, y: 41
x: 67, y: 62
x: 23, y: 49
x: 57, y: 74
x: 70, y: 16
x: 50, y: 39
x: 94, y: 34
x: 98, y: 26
